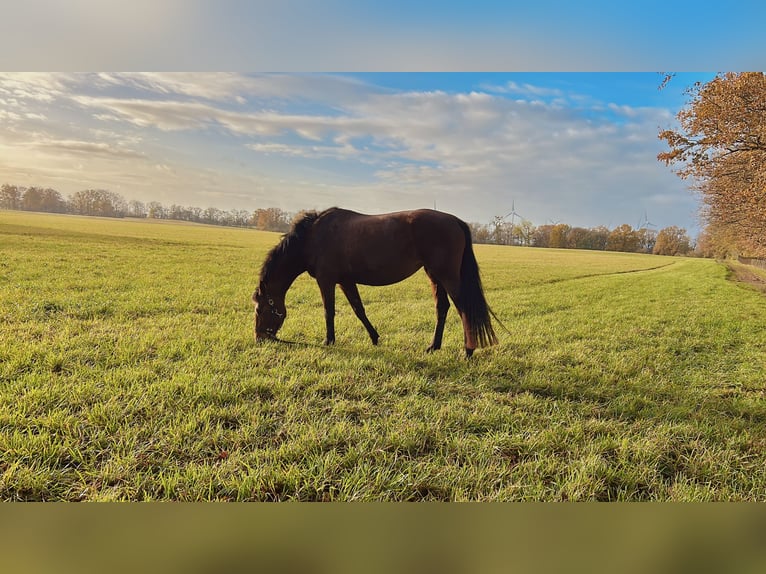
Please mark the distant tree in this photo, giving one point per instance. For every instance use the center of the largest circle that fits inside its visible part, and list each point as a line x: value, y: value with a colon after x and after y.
x: 114, y: 203
x: 136, y: 209
x: 81, y: 203
x: 597, y: 238
x: 176, y: 212
x: 502, y: 232
x: 480, y: 233
x: 227, y: 218
x: 155, y: 210
x: 39, y: 199
x: 672, y: 241
x: 212, y: 215
x: 10, y: 196
x: 577, y: 238
x: 646, y: 239
x: 713, y: 243
x: 558, y: 236
x: 97, y: 202
x: 32, y: 200
x: 270, y: 219
x: 523, y: 232
x: 542, y: 236
x: 52, y: 201
x: 241, y: 217
x: 623, y: 238
x: 195, y: 213
x: 721, y: 144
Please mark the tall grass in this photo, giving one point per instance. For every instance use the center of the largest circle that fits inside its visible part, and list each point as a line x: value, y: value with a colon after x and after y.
x: 128, y: 371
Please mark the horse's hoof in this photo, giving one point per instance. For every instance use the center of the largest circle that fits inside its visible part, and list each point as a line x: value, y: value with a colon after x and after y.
x: 468, y: 353
x: 329, y: 342
x: 431, y: 349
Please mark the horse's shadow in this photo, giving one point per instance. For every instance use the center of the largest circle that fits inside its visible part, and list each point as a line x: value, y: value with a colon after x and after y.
x: 290, y: 343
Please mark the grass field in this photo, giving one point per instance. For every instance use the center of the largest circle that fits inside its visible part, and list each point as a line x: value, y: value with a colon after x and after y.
x: 128, y: 371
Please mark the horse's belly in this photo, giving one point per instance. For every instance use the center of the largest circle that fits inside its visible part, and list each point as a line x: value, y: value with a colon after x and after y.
x: 385, y: 275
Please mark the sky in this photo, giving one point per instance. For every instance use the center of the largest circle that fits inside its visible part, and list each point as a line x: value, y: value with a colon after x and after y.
x: 395, y: 35
x: 476, y: 107
x: 577, y: 148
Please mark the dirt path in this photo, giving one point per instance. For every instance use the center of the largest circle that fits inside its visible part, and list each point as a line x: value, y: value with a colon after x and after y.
x: 748, y: 275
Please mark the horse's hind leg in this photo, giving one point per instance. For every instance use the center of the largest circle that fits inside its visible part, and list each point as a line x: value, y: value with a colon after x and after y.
x: 442, y: 306
x: 453, y: 289
x: 352, y: 294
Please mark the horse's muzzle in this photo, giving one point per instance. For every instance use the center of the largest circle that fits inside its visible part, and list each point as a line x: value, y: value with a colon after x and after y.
x: 265, y: 337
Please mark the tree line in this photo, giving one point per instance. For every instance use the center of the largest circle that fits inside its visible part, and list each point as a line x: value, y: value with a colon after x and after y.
x: 104, y: 203
x: 668, y: 241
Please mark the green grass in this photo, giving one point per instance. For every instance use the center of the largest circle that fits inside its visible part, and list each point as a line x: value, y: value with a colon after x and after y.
x: 128, y: 371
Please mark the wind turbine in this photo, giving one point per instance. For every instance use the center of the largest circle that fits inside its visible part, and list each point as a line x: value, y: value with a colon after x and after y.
x: 645, y: 227
x: 646, y: 221
x: 513, y: 215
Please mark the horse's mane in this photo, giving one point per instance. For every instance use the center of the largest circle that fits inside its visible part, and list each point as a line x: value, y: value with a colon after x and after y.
x: 290, y: 240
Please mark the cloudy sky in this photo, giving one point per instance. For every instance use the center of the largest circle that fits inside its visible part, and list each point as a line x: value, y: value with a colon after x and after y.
x: 574, y: 147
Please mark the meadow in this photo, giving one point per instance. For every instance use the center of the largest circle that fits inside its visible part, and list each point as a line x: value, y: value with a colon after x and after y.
x: 128, y: 371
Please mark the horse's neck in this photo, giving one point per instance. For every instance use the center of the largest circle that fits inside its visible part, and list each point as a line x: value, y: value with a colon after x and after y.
x: 287, y: 272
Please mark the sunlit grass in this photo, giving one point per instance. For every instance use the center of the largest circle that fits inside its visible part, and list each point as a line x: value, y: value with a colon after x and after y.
x: 128, y: 371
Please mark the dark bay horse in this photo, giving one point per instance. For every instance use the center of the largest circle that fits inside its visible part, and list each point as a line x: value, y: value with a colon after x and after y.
x: 341, y: 247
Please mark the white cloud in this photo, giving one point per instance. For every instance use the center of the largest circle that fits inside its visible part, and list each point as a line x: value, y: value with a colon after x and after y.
x: 80, y: 147
x: 9, y: 116
x: 303, y: 151
x: 31, y: 86
x: 328, y: 89
x: 526, y: 90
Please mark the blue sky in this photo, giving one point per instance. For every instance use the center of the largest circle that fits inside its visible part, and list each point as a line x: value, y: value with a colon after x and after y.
x: 397, y: 35
x: 574, y: 147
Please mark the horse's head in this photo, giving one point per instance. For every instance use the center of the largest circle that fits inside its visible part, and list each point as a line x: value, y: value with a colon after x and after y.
x: 270, y: 313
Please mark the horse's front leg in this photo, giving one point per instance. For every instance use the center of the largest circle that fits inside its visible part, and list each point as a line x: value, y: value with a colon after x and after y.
x: 328, y: 298
x: 352, y: 294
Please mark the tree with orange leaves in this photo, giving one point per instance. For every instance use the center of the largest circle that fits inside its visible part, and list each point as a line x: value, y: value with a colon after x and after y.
x: 721, y: 144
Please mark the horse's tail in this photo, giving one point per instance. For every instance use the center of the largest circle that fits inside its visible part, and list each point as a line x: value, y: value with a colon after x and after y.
x: 472, y: 296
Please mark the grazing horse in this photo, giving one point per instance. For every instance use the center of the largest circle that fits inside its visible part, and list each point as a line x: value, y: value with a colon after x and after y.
x: 341, y: 247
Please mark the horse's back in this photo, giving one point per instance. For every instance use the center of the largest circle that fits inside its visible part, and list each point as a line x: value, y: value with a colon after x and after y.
x: 416, y: 229
x: 385, y: 248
